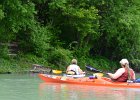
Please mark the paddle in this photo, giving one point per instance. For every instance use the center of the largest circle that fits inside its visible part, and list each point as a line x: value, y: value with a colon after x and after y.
x: 100, y: 73
x: 56, y: 71
x: 89, y: 68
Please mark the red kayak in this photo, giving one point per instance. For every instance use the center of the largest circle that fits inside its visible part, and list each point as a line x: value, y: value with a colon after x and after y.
x: 100, y: 81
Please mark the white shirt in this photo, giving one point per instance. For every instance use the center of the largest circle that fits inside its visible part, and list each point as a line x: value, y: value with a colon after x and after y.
x: 74, y: 67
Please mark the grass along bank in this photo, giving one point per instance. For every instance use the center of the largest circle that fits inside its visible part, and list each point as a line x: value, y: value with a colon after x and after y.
x: 25, y: 64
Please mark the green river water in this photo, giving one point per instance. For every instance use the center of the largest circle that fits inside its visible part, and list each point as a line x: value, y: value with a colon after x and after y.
x: 30, y: 87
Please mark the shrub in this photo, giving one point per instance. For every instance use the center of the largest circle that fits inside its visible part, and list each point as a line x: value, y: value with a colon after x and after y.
x: 59, y: 58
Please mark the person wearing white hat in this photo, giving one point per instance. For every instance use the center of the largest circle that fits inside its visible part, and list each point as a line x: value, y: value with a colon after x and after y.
x: 123, y: 74
x: 73, y: 68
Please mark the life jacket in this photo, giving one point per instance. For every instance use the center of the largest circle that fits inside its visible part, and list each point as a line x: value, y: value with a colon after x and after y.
x: 71, y: 72
x: 125, y: 75
x: 73, y: 69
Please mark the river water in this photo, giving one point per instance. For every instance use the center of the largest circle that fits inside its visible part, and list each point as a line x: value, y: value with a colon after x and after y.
x: 30, y: 87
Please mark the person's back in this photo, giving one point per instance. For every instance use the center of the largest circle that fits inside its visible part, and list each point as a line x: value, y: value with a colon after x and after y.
x: 123, y: 74
x: 74, y: 68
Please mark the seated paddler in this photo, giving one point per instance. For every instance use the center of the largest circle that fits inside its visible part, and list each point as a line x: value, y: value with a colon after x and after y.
x: 74, y: 69
x: 124, y: 73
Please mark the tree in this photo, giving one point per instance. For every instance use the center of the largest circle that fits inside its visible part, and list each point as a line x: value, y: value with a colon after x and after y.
x: 119, y: 25
x: 77, y: 22
x: 18, y: 23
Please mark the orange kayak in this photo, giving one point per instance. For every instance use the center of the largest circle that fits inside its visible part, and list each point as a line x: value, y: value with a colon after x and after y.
x: 101, y: 81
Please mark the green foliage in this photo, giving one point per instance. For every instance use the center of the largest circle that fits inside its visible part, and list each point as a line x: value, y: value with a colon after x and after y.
x: 40, y: 40
x: 52, y: 32
x: 130, y: 27
x: 21, y: 63
x: 8, y: 66
x: 77, y: 22
x: 29, y: 59
x: 1, y: 13
x: 119, y: 26
x: 18, y: 15
x: 135, y: 63
x: 102, y: 63
x: 59, y: 58
x: 20, y: 25
x: 3, y: 51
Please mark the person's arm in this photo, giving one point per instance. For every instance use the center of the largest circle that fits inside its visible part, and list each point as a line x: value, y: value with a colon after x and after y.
x: 117, y: 74
x: 68, y: 68
x: 81, y: 71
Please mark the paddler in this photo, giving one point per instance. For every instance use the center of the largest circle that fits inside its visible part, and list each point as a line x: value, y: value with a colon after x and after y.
x: 123, y: 74
x: 74, y: 69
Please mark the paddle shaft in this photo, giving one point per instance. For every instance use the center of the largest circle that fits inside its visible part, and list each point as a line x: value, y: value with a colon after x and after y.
x: 94, y: 69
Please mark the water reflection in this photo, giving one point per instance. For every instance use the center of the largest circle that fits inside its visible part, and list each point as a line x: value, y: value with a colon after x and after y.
x: 30, y: 87
x: 54, y: 91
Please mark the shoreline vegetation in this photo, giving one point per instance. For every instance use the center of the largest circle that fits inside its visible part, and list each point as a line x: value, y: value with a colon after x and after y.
x: 33, y: 64
x: 95, y: 33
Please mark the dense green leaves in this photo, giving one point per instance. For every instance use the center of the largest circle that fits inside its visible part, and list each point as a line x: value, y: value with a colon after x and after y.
x: 1, y: 13
x: 77, y: 22
x: 62, y: 29
x: 18, y: 16
x: 119, y: 26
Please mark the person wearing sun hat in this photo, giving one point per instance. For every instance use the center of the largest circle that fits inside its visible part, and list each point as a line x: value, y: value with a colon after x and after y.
x: 73, y: 68
x: 123, y: 74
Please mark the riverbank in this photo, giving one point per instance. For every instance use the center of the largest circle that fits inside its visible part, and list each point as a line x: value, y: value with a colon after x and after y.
x: 34, y: 64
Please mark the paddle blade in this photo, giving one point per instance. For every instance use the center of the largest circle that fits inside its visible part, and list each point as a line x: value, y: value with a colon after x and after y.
x: 98, y: 74
x: 56, y: 71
